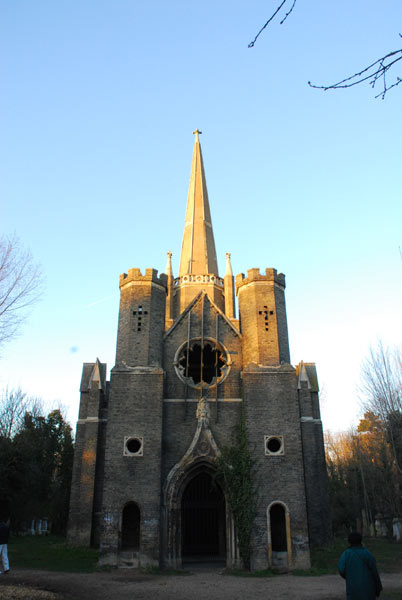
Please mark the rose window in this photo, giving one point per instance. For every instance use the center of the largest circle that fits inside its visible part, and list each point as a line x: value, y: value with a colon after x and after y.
x: 201, y: 363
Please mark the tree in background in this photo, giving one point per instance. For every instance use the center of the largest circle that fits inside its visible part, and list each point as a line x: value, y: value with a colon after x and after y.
x: 13, y: 406
x: 36, y: 455
x: 21, y: 285
x: 374, y: 72
x: 45, y: 452
x: 362, y: 479
x: 342, y: 481
x: 381, y: 388
x: 364, y: 466
x: 380, y: 477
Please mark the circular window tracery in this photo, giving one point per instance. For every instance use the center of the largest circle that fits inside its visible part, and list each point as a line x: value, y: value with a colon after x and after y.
x: 202, y: 362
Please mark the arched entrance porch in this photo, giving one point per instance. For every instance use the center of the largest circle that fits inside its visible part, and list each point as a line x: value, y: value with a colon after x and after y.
x: 203, y: 519
x: 197, y: 522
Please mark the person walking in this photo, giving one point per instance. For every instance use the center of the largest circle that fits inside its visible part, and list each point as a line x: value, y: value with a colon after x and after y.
x: 358, y: 566
x: 4, y: 535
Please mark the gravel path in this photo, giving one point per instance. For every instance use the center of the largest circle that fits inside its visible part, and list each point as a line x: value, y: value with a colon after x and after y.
x: 207, y: 583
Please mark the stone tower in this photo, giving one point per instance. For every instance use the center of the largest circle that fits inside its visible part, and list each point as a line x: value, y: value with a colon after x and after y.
x: 186, y: 371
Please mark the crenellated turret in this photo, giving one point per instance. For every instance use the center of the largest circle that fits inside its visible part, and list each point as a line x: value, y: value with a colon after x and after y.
x: 263, y: 317
x: 141, y: 318
x: 187, y: 374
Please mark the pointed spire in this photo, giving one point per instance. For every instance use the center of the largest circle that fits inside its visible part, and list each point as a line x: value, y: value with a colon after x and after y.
x: 198, y: 255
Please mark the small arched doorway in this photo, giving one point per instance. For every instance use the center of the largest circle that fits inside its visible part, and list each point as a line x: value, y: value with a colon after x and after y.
x: 203, y: 519
x: 278, y: 528
x: 130, y: 527
x: 279, y: 536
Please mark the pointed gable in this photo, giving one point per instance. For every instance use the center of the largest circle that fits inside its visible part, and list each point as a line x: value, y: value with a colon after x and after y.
x: 307, y: 372
x: 201, y: 296
x: 93, y: 373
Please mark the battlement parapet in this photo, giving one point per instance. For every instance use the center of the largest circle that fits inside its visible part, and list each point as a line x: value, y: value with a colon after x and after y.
x: 254, y: 276
x: 151, y: 276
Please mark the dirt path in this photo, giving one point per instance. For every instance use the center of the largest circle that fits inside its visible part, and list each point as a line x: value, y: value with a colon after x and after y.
x: 201, y: 583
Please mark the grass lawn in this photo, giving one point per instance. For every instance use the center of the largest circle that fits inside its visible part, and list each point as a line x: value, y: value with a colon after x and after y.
x: 324, y: 561
x: 387, y: 553
x: 50, y: 553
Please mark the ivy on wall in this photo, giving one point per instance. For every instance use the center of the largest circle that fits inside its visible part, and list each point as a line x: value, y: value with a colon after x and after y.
x: 235, y: 473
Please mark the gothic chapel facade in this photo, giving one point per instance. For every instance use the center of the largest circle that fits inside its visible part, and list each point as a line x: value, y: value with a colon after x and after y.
x: 186, y: 367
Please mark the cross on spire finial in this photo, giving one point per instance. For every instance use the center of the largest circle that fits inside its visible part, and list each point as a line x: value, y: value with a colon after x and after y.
x: 196, y: 133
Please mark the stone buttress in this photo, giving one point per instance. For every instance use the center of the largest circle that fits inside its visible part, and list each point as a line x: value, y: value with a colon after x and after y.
x: 86, y: 484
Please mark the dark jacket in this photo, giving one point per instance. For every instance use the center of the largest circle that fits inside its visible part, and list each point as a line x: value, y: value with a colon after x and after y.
x: 357, y: 565
x: 4, y: 533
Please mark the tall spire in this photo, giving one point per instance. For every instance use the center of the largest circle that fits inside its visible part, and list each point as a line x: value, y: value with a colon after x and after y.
x: 198, y: 255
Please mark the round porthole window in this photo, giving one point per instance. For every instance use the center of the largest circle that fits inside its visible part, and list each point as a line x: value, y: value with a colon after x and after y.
x: 274, y: 444
x: 133, y: 446
x: 201, y: 362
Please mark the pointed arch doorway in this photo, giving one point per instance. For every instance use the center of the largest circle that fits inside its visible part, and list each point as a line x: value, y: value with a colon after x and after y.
x: 203, y: 520
x: 188, y: 498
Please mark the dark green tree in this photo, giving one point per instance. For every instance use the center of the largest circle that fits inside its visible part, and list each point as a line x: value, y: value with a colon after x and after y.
x: 44, y: 449
x: 36, y: 456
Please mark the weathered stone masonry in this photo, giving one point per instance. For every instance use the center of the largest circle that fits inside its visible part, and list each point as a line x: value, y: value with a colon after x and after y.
x: 147, y: 442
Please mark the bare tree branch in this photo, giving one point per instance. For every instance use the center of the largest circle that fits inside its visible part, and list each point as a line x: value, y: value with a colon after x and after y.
x: 374, y: 72
x: 381, y: 386
x: 13, y: 406
x: 251, y: 44
x: 377, y: 70
x: 21, y: 285
x: 288, y: 13
x: 381, y: 381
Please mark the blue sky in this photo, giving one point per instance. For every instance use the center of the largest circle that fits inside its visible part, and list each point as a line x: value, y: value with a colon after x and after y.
x: 99, y: 102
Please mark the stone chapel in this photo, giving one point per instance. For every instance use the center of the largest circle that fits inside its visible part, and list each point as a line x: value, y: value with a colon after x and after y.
x: 143, y: 487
